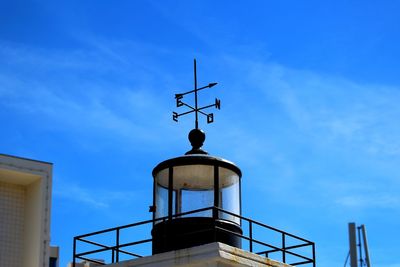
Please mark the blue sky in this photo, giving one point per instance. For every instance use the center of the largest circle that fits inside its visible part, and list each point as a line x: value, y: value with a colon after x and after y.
x: 310, y: 97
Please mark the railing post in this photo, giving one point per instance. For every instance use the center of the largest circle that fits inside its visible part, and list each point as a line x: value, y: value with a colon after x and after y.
x: 113, y: 255
x: 283, y: 248
x: 215, y: 216
x: 313, y: 255
x: 251, y: 235
x: 74, y: 253
x: 117, y: 245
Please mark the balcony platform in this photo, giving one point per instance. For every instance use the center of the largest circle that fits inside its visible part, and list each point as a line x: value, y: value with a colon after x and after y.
x: 211, y: 255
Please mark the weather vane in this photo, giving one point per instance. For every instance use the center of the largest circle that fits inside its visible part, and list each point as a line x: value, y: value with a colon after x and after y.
x: 196, y: 109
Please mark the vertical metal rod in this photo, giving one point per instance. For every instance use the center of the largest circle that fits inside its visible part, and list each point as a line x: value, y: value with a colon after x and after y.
x: 359, y: 246
x: 74, y: 253
x: 313, y: 254
x: 117, y: 241
x: 178, y: 201
x: 113, y: 255
x: 353, y: 244
x: 154, y: 200
x: 364, y: 233
x: 284, y: 248
x: 240, y: 199
x: 170, y: 191
x: 216, y: 199
x: 195, y: 95
x: 251, y: 235
x: 216, y: 192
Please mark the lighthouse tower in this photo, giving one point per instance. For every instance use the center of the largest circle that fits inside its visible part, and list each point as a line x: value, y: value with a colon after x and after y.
x: 196, y: 215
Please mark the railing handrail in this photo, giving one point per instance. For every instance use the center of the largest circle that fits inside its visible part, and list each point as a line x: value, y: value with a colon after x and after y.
x: 192, y: 212
x: 261, y: 224
x: 142, y: 222
x: 273, y: 249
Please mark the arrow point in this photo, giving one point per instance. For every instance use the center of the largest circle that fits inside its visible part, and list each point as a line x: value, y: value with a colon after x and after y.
x: 212, y: 84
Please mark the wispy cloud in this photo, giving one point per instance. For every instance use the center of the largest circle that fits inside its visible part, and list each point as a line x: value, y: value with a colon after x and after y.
x: 370, y: 201
x: 326, y: 108
x: 81, y: 195
x: 92, y: 197
x: 66, y: 89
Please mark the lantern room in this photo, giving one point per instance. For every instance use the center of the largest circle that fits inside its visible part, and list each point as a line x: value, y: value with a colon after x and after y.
x: 197, y: 199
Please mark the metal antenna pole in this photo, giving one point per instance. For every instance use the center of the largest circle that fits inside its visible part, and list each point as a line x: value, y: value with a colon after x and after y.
x: 359, y: 247
x: 353, y: 244
x: 195, y: 96
x: 364, y: 233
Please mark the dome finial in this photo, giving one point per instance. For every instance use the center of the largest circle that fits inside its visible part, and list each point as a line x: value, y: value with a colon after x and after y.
x: 196, y: 138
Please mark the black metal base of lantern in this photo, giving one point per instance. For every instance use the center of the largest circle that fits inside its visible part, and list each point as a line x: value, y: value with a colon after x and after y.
x: 189, y: 232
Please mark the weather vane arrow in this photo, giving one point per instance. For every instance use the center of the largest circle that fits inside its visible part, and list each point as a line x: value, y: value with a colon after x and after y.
x: 196, y: 109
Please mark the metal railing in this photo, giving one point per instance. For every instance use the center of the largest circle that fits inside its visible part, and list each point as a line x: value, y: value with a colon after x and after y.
x: 288, y: 253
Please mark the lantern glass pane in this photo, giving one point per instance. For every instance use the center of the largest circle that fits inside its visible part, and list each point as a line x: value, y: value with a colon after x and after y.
x: 197, y: 199
x: 230, y: 197
x: 161, y: 201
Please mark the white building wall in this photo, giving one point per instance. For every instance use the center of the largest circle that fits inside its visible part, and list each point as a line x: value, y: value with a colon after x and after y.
x: 34, y: 213
x: 12, y: 214
x: 25, y: 198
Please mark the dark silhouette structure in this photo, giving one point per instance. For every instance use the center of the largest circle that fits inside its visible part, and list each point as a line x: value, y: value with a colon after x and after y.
x: 196, y: 201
